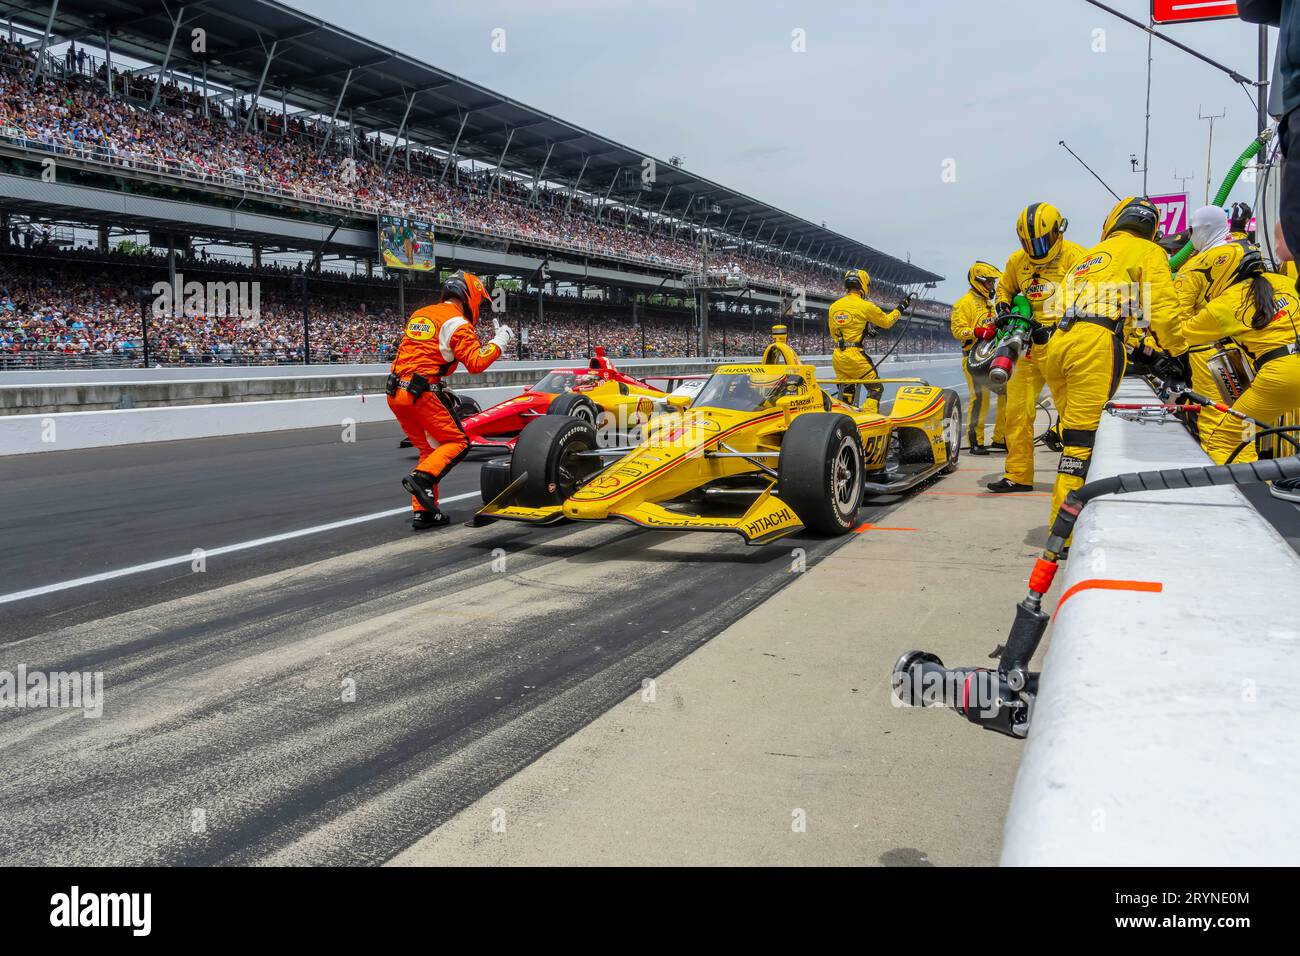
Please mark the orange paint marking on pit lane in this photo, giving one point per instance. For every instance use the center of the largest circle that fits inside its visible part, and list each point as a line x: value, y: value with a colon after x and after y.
x: 1107, y: 584
x: 875, y: 527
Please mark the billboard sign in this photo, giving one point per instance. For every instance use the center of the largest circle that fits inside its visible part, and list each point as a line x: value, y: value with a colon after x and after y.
x: 1173, y: 212
x: 1189, y: 11
x: 406, y: 243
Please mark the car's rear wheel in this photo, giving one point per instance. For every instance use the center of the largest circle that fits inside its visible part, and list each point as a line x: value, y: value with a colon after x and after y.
x: 952, y: 421
x: 821, y: 471
x: 548, y: 451
x: 493, y: 478
x: 575, y: 405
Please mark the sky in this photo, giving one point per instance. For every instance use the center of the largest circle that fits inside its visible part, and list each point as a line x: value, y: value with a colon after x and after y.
x: 919, y: 127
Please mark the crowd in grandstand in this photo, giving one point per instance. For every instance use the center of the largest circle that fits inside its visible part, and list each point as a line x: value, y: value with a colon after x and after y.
x: 74, y: 113
x: 64, y: 306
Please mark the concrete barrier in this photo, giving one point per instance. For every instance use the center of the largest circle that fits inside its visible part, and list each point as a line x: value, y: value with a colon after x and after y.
x: 1167, y: 722
x: 62, y: 430
x: 133, y: 389
x: 45, y: 392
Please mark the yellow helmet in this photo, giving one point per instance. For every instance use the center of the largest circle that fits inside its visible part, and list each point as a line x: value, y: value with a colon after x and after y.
x: 1227, y: 264
x: 857, y: 280
x: 1040, y: 228
x: 983, y: 278
x: 1136, y: 215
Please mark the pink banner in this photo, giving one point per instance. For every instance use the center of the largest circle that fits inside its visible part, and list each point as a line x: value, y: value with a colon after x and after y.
x: 1173, y: 212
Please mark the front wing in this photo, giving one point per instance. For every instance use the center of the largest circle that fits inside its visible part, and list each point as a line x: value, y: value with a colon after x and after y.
x: 767, y: 519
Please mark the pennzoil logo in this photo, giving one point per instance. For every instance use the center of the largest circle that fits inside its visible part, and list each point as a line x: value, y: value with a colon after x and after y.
x: 1091, y: 264
x: 841, y: 318
x: 1040, y: 290
x: 419, y: 329
x: 1283, y: 305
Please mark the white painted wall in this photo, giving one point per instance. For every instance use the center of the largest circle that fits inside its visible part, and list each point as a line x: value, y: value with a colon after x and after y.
x: 1167, y: 727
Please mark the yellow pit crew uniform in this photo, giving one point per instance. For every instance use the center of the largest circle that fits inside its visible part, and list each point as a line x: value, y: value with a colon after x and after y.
x: 972, y: 311
x: 1112, y: 282
x: 1040, y: 283
x: 1201, y: 276
x: 849, y: 319
x: 1274, y: 351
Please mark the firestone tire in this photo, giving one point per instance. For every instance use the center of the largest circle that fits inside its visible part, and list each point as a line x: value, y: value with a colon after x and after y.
x: 952, y: 429
x: 546, y: 453
x: 575, y: 405
x: 821, y: 472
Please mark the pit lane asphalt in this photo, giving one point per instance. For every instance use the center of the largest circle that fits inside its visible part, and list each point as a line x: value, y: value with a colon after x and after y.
x: 229, y: 732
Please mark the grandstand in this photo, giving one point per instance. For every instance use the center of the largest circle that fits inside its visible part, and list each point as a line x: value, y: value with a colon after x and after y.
x: 266, y: 158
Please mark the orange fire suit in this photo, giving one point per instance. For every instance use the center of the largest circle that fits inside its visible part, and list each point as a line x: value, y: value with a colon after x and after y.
x: 437, y: 338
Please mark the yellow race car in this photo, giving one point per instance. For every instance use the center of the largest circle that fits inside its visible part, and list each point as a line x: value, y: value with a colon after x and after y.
x: 761, y: 451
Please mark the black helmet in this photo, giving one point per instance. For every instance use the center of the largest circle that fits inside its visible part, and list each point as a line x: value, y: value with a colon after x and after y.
x: 1239, y: 217
x: 857, y: 280
x: 1136, y: 215
x: 468, y: 289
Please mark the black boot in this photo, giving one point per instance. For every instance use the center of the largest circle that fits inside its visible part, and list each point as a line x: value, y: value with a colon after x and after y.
x: 999, y: 446
x: 424, y: 488
x: 979, y: 449
x: 1005, y: 485
x: 424, y: 520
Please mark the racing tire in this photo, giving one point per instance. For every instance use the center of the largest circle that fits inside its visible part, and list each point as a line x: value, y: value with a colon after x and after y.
x: 493, y: 478
x: 952, y: 429
x: 821, y: 471
x: 979, y: 361
x: 576, y: 406
x: 545, y: 452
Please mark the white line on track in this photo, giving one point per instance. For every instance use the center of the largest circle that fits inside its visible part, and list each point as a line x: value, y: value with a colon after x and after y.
x: 210, y: 553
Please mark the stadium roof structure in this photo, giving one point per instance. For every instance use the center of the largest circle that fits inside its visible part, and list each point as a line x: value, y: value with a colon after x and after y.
x: 264, y: 45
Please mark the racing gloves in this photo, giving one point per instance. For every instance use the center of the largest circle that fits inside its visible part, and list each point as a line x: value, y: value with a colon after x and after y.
x: 502, y: 335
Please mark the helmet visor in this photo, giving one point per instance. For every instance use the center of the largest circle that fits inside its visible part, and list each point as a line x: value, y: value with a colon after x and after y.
x: 1040, y: 246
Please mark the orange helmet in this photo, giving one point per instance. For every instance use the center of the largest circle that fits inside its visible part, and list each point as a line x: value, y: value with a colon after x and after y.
x: 468, y: 290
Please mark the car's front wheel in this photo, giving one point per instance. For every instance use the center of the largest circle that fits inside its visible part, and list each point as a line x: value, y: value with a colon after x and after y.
x: 549, y: 453
x: 952, y: 421
x: 821, y: 472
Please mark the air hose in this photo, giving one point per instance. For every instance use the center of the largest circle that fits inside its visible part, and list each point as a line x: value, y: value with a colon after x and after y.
x: 1003, y: 699
x: 1230, y: 180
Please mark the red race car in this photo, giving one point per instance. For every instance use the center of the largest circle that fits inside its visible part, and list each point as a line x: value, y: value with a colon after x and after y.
x: 580, y: 392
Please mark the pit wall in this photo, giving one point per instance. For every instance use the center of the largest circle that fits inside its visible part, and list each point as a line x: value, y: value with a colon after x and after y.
x: 361, y: 400
x: 1167, y: 723
x: 45, y: 392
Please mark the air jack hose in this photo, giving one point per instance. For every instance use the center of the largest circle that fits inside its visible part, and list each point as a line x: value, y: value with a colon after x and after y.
x: 1003, y: 699
x: 1230, y: 180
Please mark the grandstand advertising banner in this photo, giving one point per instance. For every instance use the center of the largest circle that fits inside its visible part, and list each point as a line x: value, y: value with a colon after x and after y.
x: 406, y: 243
